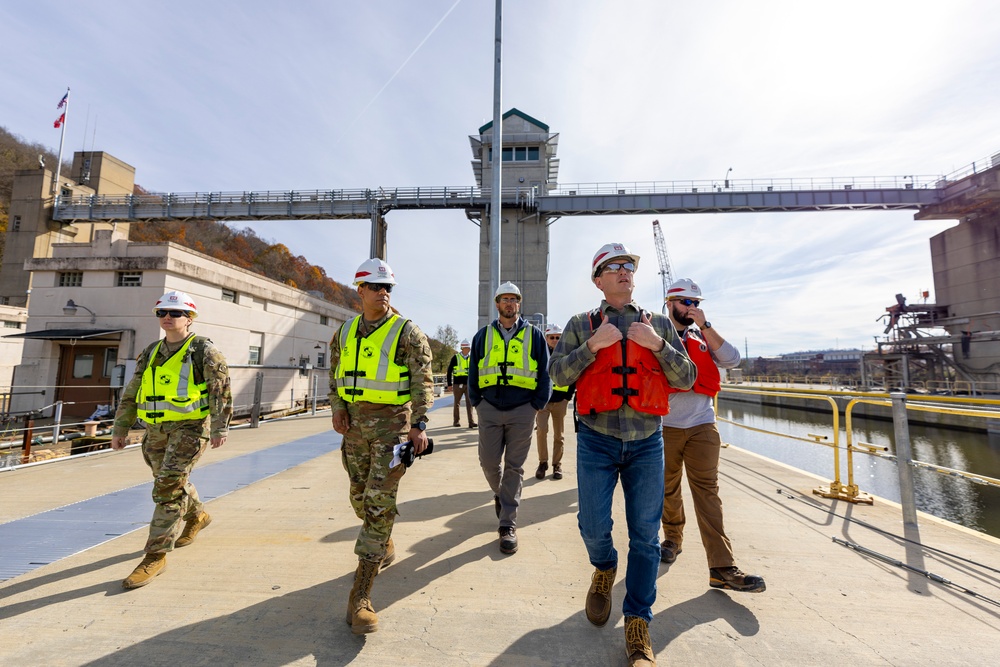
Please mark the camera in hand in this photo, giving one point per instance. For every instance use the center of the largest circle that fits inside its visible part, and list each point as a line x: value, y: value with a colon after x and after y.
x: 408, y: 456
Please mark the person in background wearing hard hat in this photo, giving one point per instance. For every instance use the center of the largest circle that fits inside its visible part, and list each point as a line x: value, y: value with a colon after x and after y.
x: 380, y: 391
x: 181, y: 393
x: 556, y: 407
x: 458, y: 377
x: 508, y: 384
x: 691, y: 442
x: 624, y: 361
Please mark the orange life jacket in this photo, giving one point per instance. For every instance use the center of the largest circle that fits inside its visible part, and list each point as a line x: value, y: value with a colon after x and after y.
x: 709, y: 379
x: 605, y: 386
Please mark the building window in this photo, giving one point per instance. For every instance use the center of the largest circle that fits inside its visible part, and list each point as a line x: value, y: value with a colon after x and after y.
x: 130, y: 278
x: 7, y: 324
x: 83, y: 366
x: 16, y: 225
x: 70, y: 278
x: 110, y: 359
x: 516, y: 154
x: 256, y: 355
x: 229, y: 295
x: 321, y: 359
x: 324, y: 320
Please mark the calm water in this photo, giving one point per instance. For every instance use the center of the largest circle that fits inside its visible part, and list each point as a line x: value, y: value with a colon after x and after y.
x: 962, y: 501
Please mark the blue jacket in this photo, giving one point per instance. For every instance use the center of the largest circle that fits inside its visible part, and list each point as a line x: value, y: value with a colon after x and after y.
x: 507, y: 397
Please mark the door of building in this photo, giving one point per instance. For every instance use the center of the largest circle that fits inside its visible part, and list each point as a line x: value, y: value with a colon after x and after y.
x: 85, y: 378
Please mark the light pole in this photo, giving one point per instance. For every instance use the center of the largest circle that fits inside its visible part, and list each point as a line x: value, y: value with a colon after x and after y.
x: 727, y: 177
x: 70, y: 309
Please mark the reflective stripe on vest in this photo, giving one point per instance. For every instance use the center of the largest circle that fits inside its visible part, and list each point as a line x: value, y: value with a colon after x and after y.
x: 168, y: 393
x: 367, y: 370
x: 556, y: 388
x: 604, y: 385
x: 461, y: 367
x: 709, y: 380
x: 508, y: 363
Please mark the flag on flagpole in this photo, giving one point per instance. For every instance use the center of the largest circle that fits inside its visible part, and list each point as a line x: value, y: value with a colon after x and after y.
x: 60, y: 120
x: 62, y: 102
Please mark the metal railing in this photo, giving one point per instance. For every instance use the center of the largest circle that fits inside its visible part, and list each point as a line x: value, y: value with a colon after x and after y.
x: 900, y: 404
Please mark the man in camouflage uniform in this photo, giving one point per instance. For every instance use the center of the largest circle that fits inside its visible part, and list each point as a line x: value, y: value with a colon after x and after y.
x: 380, y: 391
x: 181, y: 392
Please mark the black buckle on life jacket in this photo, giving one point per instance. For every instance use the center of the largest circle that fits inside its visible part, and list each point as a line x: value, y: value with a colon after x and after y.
x: 154, y: 415
x: 355, y: 374
x: 156, y: 398
x: 625, y: 391
x: 625, y: 370
x: 354, y: 392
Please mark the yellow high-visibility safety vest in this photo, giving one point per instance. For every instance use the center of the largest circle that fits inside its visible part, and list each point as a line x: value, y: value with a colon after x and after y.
x: 367, y: 370
x: 168, y: 393
x: 461, y: 366
x: 508, y: 363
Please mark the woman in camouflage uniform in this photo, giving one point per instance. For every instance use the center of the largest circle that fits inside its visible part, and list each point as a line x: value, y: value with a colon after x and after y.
x: 181, y: 392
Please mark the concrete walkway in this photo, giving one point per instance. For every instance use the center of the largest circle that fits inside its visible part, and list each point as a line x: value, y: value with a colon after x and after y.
x: 267, y: 582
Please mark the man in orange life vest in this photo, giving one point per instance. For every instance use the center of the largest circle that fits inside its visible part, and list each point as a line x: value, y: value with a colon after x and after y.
x: 624, y: 361
x: 691, y: 441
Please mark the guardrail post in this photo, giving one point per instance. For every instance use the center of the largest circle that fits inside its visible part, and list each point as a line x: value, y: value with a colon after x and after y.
x: 57, y: 416
x: 29, y: 423
x: 904, y: 458
x: 315, y: 388
x: 258, y: 389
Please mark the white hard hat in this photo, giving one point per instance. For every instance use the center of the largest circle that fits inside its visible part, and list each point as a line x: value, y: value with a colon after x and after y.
x: 684, y: 288
x: 553, y: 330
x: 374, y: 270
x: 507, y: 288
x: 609, y: 252
x: 465, y: 343
x: 176, y: 301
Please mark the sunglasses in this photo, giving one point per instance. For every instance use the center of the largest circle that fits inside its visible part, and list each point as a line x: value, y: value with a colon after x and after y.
x: 615, y: 266
x: 688, y: 302
x: 378, y: 287
x: 176, y: 314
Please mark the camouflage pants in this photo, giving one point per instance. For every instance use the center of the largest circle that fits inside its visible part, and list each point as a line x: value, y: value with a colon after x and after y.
x: 366, y: 453
x: 171, y: 450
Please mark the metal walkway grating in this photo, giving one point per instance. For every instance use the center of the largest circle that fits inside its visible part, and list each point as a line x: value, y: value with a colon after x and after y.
x: 33, y: 541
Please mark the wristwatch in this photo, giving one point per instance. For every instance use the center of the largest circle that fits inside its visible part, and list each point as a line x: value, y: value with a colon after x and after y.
x: 706, y: 325
x: 421, y: 426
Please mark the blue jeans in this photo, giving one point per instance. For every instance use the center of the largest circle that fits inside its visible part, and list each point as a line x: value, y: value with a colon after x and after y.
x: 600, y: 461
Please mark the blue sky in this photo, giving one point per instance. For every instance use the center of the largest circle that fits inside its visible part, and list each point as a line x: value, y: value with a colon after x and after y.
x: 252, y: 95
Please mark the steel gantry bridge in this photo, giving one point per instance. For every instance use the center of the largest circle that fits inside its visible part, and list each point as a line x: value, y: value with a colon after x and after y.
x: 619, y: 198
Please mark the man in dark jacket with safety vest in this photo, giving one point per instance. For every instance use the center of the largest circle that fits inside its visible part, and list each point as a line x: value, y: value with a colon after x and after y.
x: 181, y: 392
x: 691, y: 441
x: 508, y: 384
x: 380, y: 391
x: 624, y: 361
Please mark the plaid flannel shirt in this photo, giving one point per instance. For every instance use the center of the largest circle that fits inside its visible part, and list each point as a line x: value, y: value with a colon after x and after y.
x: 572, y: 356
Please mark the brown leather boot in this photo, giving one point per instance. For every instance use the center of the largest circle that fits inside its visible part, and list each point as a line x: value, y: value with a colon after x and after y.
x: 390, y: 554
x: 192, y: 528
x: 598, y: 605
x: 637, y: 645
x: 360, y: 612
x: 151, y: 566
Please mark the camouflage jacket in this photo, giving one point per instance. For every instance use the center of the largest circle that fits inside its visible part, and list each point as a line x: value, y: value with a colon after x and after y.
x: 414, y: 352
x: 209, y: 366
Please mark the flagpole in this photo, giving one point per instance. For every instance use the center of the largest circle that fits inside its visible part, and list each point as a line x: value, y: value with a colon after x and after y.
x: 62, y: 137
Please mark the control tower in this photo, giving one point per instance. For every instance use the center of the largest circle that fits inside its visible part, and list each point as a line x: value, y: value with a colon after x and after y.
x: 530, y: 168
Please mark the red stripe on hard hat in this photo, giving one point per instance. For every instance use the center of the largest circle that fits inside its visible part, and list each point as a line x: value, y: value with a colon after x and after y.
x: 361, y: 274
x: 598, y: 259
x: 676, y: 289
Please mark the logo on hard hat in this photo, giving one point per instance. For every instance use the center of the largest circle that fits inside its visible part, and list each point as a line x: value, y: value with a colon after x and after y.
x: 618, y: 247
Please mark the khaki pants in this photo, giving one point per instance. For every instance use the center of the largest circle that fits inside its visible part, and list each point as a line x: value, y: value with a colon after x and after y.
x: 558, y: 412
x: 458, y: 391
x: 695, y: 450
